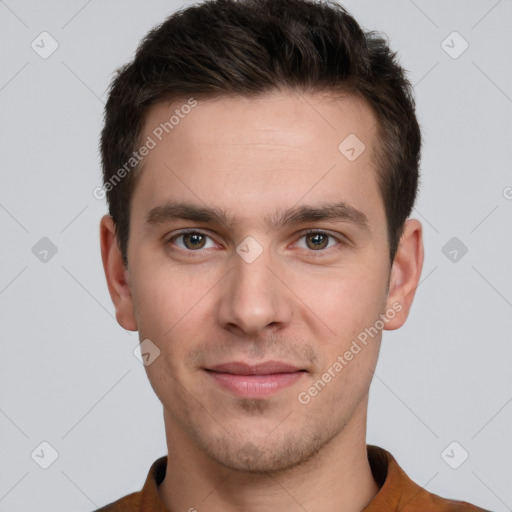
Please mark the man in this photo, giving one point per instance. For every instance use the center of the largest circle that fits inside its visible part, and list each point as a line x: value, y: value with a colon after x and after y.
x: 260, y: 162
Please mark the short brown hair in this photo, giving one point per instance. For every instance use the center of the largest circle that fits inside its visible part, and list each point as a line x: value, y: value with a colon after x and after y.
x: 249, y: 47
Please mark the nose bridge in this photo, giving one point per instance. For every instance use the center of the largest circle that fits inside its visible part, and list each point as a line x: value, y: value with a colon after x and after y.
x: 254, y: 297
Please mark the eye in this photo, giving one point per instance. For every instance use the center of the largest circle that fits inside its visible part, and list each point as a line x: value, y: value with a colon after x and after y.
x: 192, y: 240
x: 317, y: 241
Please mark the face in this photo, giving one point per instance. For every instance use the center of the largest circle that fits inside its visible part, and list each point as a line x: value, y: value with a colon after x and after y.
x: 256, y: 294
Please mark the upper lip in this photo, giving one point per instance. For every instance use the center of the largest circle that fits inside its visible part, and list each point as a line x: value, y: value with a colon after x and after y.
x: 266, y: 368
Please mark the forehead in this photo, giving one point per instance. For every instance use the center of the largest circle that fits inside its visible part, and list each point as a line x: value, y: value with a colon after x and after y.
x: 275, y: 117
x: 254, y: 155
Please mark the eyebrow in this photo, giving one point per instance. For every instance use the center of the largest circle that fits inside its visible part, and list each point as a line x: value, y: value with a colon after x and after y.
x: 176, y: 210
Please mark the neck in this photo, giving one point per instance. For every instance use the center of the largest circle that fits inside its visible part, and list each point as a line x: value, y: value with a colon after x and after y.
x: 338, y: 477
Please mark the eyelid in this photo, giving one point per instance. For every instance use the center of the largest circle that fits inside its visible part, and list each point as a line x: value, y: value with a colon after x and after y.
x: 338, y: 236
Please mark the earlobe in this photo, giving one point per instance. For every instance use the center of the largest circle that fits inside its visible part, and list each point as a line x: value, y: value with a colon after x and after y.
x: 116, y: 274
x: 405, y: 273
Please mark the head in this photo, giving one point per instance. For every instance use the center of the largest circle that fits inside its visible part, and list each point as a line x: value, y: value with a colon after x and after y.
x: 249, y: 123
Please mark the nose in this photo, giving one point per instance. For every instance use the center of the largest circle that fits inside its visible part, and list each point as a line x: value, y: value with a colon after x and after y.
x: 254, y: 298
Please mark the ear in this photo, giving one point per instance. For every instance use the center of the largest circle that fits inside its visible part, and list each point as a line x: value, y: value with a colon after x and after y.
x: 405, y: 273
x: 116, y: 274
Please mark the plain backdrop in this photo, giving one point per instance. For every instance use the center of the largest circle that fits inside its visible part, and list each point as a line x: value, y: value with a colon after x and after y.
x: 68, y: 373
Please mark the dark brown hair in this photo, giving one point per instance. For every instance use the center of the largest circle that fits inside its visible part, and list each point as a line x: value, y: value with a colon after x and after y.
x: 249, y: 47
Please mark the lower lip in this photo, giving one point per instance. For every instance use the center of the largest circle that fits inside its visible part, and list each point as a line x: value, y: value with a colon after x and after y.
x: 255, y: 386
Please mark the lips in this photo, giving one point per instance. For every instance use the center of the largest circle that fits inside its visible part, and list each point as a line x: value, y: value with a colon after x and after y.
x: 255, y: 380
x: 267, y: 368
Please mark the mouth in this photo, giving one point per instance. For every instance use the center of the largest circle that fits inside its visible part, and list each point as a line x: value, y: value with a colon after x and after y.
x: 255, y: 380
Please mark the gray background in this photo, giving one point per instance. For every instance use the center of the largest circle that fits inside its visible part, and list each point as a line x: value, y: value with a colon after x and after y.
x: 68, y: 373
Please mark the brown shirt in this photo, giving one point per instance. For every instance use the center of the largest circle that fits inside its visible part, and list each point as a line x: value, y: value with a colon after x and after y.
x: 397, y: 493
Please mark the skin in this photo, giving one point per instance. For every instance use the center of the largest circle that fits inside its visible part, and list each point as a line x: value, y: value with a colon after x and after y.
x: 295, y: 303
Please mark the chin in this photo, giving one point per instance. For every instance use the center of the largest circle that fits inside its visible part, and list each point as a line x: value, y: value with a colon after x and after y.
x: 263, y: 456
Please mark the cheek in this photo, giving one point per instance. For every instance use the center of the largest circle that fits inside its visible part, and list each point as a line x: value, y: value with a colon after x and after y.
x: 166, y: 297
x: 167, y: 309
x: 347, y: 302
x: 172, y: 310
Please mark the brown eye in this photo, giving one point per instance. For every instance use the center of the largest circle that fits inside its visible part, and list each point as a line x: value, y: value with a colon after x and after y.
x: 320, y: 242
x: 191, y: 241
x: 317, y: 240
x: 194, y: 240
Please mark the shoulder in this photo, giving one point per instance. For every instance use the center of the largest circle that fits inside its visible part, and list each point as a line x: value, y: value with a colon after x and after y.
x: 129, y: 503
x: 145, y: 499
x: 429, y: 502
x: 399, y: 493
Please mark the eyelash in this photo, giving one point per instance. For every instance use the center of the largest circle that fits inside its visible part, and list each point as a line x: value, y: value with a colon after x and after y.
x: 320, y: 252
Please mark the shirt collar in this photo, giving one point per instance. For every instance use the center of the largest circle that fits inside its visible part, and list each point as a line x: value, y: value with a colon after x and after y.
x: 396, y: 488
